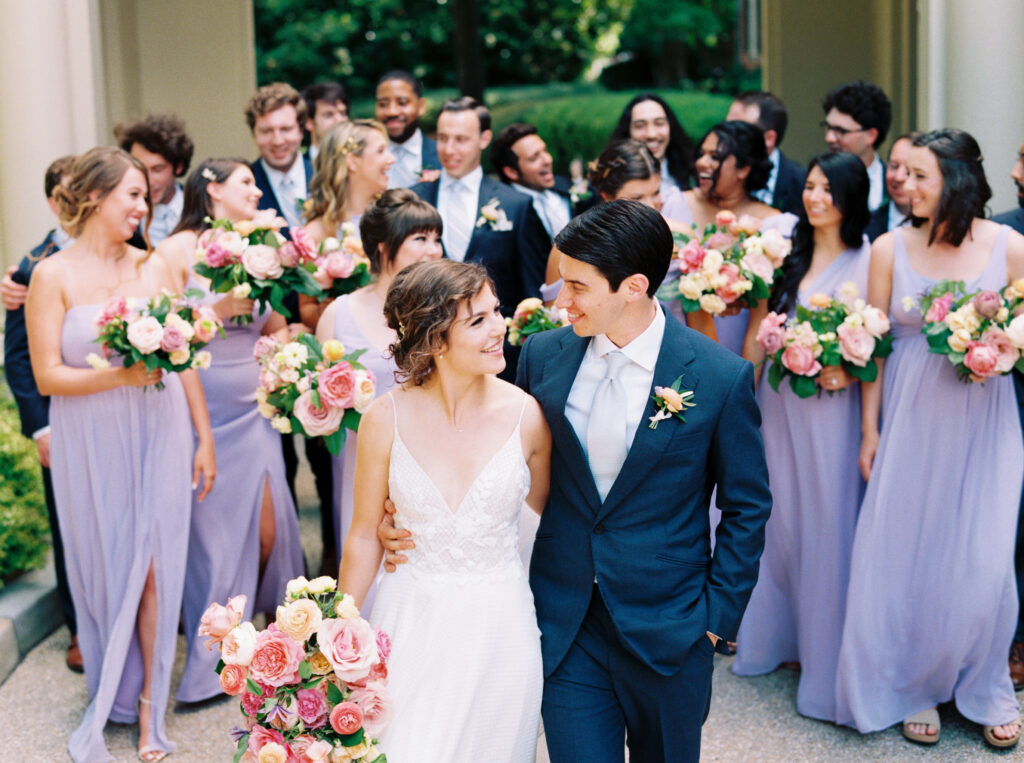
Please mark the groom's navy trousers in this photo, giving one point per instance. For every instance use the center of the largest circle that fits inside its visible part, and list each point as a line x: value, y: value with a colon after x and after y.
x: 632, y: 657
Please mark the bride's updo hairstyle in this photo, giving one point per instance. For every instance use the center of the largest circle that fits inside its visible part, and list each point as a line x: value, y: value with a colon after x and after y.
x: 390, y: 220
x: 328, y: 190
x: 99, y: 169
x: 421, y: 306
x: 965, y: 191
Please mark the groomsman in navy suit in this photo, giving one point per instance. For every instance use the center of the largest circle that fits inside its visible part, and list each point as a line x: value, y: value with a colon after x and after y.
x: 485, y: 221
x: 399, y: 107
x: 33, y: 408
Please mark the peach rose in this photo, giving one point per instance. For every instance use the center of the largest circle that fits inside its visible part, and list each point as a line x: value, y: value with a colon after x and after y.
x: 350, y: 645
x: 759, y: 265
x: 365, y: 390
x: 875, y: 321
x: 337, y: 385
x: 673, y: 400
x: 218, y: 621
x: 239, y: 645
x: 276, y: 659
x: 725, y: 218
x: 981, y: 359
x: 799, y: 359
x: 299, y: 619
x: 1006, y: 354
x: 318, y: 751
x: 232, y: 679
x: 272, y: 752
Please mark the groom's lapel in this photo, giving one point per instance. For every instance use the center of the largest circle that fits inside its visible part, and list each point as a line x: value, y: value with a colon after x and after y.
x: 560, y: 371
x: 674, y: 359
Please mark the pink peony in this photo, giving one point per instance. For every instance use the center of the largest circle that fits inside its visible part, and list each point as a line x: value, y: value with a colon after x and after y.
x: 316, y: 422
x: 337, y: 385
x: 346, y: 718
x: 692, y: 255
x: 261, y: 735
x: 981, y: 359
x: 339, y: 264
x: 265, y: 345
x: 173, y: 340
x: 251, y: 703
x: 116, y: 308
x: 987, y: 304
x: 729, y: 291
x: 799, y: 359
x: 1006, y: 353
x: 232, y: 679
x: 939, y: 307
x: 376, y: 706
x: 288, y: 255
x: 276, y: 659
x: 770, y: 334
x: 855, y: 344
x: 311, y: 707
x: 145, y: 334
x: 219, y: 620
x: 305, y: 246
x: 350, y: 645
x: 217, y: 256
x: 261, y: 262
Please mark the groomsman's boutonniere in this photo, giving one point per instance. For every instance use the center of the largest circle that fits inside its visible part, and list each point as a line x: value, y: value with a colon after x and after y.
x: 671, y: 401
x: 580, y: 191
x: 493, y: 215
x: 428, y: 175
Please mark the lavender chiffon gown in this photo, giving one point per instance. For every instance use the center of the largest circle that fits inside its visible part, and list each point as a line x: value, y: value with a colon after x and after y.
x: 347, y: 331
x: 121, y: 462
x: 224, y: 537
x: 932, y: 603
x: 796, y: 610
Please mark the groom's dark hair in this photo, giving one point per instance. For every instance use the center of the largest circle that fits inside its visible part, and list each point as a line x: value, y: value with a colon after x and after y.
x: 620, y: 238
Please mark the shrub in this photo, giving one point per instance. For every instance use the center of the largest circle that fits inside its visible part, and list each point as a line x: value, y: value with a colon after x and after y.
x: 24, y: 529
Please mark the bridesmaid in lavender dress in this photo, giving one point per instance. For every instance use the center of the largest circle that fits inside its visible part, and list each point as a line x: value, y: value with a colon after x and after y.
x: 397, y: 230
x: 795, y: 613
x: 731, y: 164
x: 932, y: 603
x: 121, y: 457
x: 245, y: 538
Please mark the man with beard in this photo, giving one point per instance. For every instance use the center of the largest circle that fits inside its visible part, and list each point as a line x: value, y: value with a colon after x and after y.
x: 400, y: 104
x: 1015, y: 217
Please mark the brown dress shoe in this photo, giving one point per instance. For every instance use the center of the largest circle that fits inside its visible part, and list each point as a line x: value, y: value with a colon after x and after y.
x: 1017, y: 665
x: 74, y: 658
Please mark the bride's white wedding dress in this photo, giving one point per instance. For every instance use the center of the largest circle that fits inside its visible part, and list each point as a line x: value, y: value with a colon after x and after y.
x: 465, y: 669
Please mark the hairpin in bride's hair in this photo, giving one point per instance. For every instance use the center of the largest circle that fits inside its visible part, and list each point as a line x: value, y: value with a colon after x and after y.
x: 401, y: 331
x: 209, y: 174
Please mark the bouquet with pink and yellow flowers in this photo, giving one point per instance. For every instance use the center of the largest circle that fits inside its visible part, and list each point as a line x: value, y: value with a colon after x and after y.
x: 531, y: 317
x: 341, y: 264
x: 840, y: 331
x: 165, y: 331
x: 252, y: 260
x: 314, y: 390
x: 981, y: 333
x: 729, y: 261
x: 312, y: 685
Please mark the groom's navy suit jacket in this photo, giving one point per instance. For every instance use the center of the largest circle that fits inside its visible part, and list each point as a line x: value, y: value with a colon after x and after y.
x: 649, y: 543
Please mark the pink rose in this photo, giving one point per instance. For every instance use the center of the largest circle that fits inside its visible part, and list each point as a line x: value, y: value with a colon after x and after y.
x: 729, y: 291
x: 725, y: 218
x: 300, y: 744
x: 383, y: 645
x: 747, y: 224
x: 206, y: 324
x: 346, y: 718
x: 981, y: 359
x: 937, y: 312
x: 145, y: 334
x: 318, y: 751
x: 855, y: 344
x: 719, y: 241
x: 288, y: 255
x: 261, y: 262
x: 760, y: 266
x: 339, y: 264
x: 1006, y: 353
x: 378, y: 672
x: 268, y: 219
x: 269, y: 380
x: 323, y: 278
x: 232, y: 679
x: 261, y: 735
x: 116, y: 308
x: 376, y: 706
x: 217, y: 256
x: 770, y: 334
x: 800, y: 360
x: 317, y: 422
x: 987, y: 304
x: 311, y: 707
x: 265, y: 345
x: 218, y: 621
x: 337, y: 385
x: 173, y: 340
x: 365, y: 390
x: 276, y: 659
x: 350, y: 645
x: 692, y: 256
x: 304, y: 245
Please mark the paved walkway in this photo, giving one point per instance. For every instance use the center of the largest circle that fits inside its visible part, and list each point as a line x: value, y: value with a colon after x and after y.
x: 752, y: 719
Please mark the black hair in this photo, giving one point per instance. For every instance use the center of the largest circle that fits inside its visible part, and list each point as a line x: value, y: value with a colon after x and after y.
x: 745, y: 142
x: 328, y: 92
x: 197, y: 204
x: 965, y: 191
x: 162, y: 134
x: 849, y: 185
x: 680, y: 151
x: 400, y: 74
x: 469, y: 103
x: 620, y: 238
x: 772, y: 114
x: 620, y: 162
x: 502, y: 154
x: 867, y: 104
x: 390, y: 220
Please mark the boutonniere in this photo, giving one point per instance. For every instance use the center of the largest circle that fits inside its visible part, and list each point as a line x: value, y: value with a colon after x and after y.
x: 671, y: 401
x: 580, y: 191
x: 428, y: 175
x: 493, y: 215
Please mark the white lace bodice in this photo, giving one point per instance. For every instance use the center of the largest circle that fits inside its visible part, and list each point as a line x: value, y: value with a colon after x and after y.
x: 480, y: 537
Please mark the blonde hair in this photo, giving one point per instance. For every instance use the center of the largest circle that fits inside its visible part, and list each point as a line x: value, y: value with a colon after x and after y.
x: 328, y: 191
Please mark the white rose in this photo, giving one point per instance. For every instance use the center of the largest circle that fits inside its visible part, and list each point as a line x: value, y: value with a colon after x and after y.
x: 232, y: 242
x: 776, y: 246
x: 1002, y: 315
x: 241, y: 291
x: 712, y: 262
x: 712, y: 303
x: 348, y: 228
x: 321, y: 584
x: 965, y: 318
x: 178, y: 357
x: 346, y: 609
x: 289, y: 376
x: 688, y: 288
x: 239, y: 645
x: 97, y: 361
x: 145, y: 334
x: 296, y: 587
x: 1015, y: 331
x: 261, y: 261
x: 329, y: 244
x: 364, y: 392
x: 281, y: 424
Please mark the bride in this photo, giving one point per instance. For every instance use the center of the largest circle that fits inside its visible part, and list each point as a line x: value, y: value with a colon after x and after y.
x: 458, y: 451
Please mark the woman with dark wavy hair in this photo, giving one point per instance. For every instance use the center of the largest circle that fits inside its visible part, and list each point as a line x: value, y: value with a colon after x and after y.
x: 649, y: 119
x: 932, y: 603
x: 795, y: 614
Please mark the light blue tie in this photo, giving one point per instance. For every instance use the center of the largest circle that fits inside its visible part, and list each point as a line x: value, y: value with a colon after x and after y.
x: 606, y: 429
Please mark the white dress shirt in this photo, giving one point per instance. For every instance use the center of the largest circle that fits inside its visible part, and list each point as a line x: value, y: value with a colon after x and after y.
x: 469, y: 200
x: 166, y: 216
x: 405, y: 172
x: 637, y: 378
x: 552, y: 208
x: 767, y: 194
x: 896, y: 218
x: 297, y: 173
x: 667, y: 181
x: 876, y: 174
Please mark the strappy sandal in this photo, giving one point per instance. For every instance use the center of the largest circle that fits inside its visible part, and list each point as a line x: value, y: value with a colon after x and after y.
x: 150, y: 753
x: 992, y: 739
x: 928, y: 717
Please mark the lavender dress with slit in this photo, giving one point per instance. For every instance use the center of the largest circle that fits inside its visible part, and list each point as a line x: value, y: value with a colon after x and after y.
x: 796, y: 610
x: 932, y: 603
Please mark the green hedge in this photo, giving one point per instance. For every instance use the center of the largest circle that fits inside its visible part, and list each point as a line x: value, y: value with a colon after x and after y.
x: 24, y: 529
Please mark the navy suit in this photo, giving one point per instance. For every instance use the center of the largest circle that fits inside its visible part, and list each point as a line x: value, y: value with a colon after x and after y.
x: 34, y: 409
x: 789, y: 186
x: 269, y: 199
x: 428, y: 155
x: 648, y: 545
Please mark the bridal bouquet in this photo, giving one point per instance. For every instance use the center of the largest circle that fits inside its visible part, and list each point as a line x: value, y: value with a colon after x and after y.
x: 729, y: 261
x: 317, y: 391
x: 165, y: 332
x: 981, y: 333
x: 341, y: 265
x: 251, y: 259
x: 312, y: 685
x: 841, y: 331
x: 531, y: 317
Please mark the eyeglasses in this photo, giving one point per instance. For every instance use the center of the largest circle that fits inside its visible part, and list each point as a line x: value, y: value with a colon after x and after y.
x: 840, y: 131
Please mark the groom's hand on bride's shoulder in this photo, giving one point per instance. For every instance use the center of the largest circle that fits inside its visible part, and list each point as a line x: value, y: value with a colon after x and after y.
x: 392, y: 539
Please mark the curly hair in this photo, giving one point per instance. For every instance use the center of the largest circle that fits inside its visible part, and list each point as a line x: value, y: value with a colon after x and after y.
x: 502, y: 155
x: 745, y: 142
x: 390, y: 220
x: 98, y: 169
x: 620, y: 162
x: 56, y: 172
x: 328, y: 191
x: 421, y: 306
x: 867, y: 104
x: 272, y: 97
x: 198, y: 206
x: 965, y: 191
x: 162, y: 134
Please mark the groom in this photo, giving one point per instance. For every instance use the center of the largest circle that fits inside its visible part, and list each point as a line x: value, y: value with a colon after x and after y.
x: 630, y: 601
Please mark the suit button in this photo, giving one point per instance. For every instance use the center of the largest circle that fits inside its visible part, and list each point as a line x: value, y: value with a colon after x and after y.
x: 598, y: 529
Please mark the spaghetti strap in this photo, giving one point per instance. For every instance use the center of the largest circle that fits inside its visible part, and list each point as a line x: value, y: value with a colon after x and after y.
x: 67, y: 279
x: 522, y: 410
x: 394, y: 408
